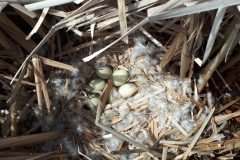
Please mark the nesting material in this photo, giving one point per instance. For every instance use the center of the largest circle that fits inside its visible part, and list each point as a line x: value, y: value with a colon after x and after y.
x: 154, y: 103
x: 128, y: 80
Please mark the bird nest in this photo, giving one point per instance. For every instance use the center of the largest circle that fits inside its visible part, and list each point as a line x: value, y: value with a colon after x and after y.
x: 178, y: 96
x: 164, y: 112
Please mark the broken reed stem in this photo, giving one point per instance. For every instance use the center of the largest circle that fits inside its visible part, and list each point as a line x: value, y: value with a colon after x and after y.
x: 122, y: 19
x: 44, y: 88
x: 57, y: 64
x: 228, y: 104
x: 164, y: 153
x: 30, y: 139
x: 172, y: 51
x: 149, y: 36
x: 184, y: 58
x: 188, y: 45
x: 222, y: 118
x: 41, y: 85
x: 23, y: 81
x: 15, y: 97
x: 35, y: 62
x: 196, y: 137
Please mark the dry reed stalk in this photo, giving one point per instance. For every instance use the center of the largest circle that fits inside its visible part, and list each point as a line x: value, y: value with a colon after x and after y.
x: 23, y: 81
x: 122, y: 18
x: 171, y: 25
x: 188, y: 10
x: 57, y: 64
x: 140, y: 24
x: 196, y: 137
x: 38, y: 24
x: 101, y: 151
x: 224, y: 82
x: 41, y: 31
x: 58, y: 13
x: 30, y: 139
x: 43, y: 155
x: 237, y: 118
x: 15, y: 153
x: 23, y: 10
x: 182, y: 97
x: 3, y: 5
x: 7, y: 66
x: 187, y: 49
x: 214, y: 31
x: 229, y: 104
x: 35, y: 62
x: 8, y: 87
x: 210, y: 69
x: 172, y: 51
x: 15, y: 33
x: 44, y: 87
x: 149, y: 36
x: 184, y: 58
x: 180, y: 128
x: 232, y: 61
x: 222, y: 118
x: 5, y: 41
x: 33, y: 156
x: 87, y: 44
x: 164, y: 153
x: 227, y: 144
x: 210, y: 139
x: 15, y: 97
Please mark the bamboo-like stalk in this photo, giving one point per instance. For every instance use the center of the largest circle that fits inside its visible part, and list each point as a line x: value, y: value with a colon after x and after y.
x: 222, y: 118
x: 213, y: 34
x: 30, y: 139
x: 44, y: 88
x: 57, y: 64
x: 35, y: 62
x: 187, y: 47
x: 23, y: 81
x: 122, y: 19
x: 164, y: 153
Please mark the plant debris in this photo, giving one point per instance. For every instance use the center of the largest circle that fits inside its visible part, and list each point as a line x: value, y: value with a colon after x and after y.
x: 128, y: 80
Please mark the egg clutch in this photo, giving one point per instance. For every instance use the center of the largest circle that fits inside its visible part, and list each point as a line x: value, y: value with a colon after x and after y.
x: 122, y: 88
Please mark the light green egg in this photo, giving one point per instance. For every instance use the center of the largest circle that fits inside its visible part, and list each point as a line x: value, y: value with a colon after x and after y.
x: 120, y: 77
x: 108, y: 112
x: 127, y: 90
x: 114, y: 95
x: 93, y: 102
x: 97, y: 84
x: 104, y: 72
